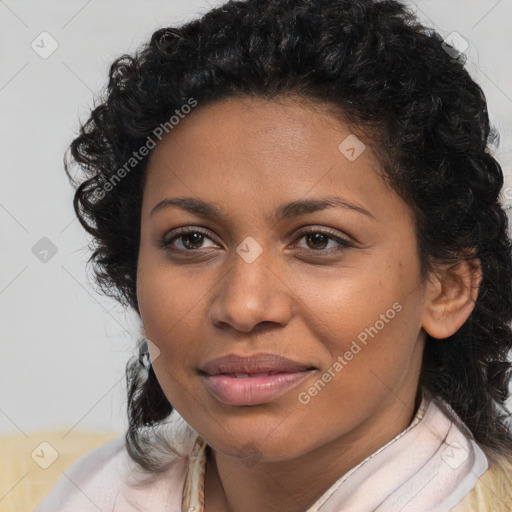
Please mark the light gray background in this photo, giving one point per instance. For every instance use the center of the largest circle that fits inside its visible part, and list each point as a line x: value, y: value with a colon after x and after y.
x: 64, y: 347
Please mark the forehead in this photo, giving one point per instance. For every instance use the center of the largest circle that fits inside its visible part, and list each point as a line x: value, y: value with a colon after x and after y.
x: 247, y: 124
x: 265, y: 151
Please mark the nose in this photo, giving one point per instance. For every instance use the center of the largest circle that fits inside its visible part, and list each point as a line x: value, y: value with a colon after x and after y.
x: 249, y: 296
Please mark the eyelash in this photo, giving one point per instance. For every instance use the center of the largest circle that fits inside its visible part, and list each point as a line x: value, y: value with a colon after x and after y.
x: 166, y: 243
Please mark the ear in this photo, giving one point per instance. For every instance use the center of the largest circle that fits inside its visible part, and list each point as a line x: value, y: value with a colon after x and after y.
x: 451, y: 293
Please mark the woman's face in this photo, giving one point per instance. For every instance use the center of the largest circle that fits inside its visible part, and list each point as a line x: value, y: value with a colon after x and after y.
x: 268, y: 269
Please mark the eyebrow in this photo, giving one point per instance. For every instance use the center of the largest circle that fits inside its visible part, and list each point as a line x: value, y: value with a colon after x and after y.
x: 287, y: 210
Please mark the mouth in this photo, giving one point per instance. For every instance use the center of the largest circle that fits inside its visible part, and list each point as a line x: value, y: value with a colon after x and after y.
x: 252, y: 380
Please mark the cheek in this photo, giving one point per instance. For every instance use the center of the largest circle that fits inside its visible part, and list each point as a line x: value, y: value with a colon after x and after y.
x: 165, y: 295
x: 357, y: 302
x: 369, y: 361
x: 171, y: 318
x: 370, y: 318
x: 168, y: 318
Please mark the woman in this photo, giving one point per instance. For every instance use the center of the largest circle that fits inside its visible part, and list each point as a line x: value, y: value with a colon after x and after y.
x: 298, y: 199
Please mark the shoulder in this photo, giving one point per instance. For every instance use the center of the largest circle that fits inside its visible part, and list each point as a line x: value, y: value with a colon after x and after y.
x: 491, y: 486
x: 92, y: 478
x: 107, y: 478
x: 493, y: 490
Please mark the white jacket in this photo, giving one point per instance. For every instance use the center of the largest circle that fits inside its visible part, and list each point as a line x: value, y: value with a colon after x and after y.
x: 433, y: 465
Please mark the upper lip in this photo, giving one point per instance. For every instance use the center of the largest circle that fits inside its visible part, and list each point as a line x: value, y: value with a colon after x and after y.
x: 257, y: 363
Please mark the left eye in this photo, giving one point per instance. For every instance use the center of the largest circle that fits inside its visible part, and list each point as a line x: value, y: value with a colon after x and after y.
x: 320, y: 238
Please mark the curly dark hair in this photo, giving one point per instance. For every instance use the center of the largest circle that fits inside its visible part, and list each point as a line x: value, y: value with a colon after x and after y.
x: 392, y: 79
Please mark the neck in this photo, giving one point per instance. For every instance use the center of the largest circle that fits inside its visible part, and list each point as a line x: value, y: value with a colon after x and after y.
x: 237, y: 485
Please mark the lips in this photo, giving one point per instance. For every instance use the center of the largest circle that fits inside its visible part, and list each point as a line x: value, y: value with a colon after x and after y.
x: 252, y: 380
x: 246, y: 375
x: 233, y: 364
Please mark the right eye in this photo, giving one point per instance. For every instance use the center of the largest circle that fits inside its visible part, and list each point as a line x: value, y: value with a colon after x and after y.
x: 191, y: 240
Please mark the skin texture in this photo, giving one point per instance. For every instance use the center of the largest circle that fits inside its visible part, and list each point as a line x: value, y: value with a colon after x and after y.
x: 299, y: 298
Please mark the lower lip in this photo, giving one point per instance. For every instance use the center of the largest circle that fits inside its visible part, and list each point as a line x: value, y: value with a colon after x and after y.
x: 252, y: 390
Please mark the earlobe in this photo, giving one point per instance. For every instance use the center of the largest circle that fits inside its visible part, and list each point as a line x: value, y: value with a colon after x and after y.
x: 451, y: 294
